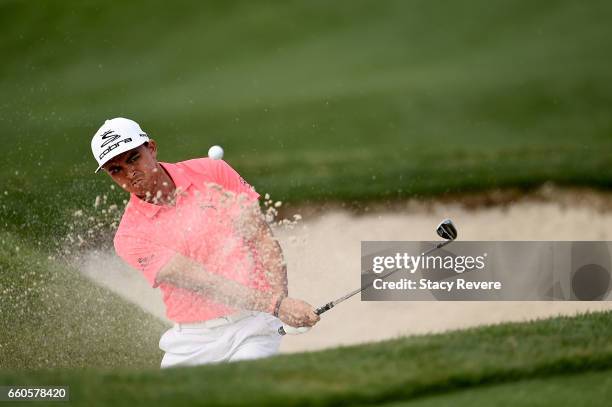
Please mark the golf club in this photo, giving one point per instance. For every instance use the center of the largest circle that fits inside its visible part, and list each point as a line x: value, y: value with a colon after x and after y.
x: 446, y: 230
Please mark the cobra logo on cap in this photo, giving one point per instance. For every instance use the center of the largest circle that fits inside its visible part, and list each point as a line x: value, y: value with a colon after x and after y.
x: 109, y: 137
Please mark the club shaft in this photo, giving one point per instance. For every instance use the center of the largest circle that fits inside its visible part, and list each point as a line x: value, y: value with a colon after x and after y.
x: 332, y: 304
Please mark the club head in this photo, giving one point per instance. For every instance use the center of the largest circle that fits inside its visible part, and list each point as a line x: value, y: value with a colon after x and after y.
x: 447, y: 230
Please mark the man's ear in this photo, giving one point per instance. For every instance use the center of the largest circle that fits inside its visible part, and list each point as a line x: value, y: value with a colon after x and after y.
x: 152, y: 146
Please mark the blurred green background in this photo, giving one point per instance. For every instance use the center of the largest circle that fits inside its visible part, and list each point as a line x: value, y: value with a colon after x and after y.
x: 312, y: 100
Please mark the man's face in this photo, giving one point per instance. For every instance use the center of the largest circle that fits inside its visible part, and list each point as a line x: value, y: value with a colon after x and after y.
x: 136, y: 170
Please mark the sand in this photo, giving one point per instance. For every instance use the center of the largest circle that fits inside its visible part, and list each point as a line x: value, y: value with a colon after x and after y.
x: 323, y: 256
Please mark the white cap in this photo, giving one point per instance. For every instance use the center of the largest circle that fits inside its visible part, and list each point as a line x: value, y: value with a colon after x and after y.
x: 116, y: 136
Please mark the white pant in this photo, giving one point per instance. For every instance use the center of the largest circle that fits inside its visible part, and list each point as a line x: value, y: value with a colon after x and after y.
x: 254, y: 335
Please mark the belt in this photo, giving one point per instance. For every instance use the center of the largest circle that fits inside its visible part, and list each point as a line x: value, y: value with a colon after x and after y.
x: 216, y: 322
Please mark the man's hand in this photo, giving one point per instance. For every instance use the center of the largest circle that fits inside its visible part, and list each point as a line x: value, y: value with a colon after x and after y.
x: 297, y: 313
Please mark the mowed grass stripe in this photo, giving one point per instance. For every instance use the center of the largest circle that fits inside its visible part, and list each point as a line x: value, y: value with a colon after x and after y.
x: 585, y: 389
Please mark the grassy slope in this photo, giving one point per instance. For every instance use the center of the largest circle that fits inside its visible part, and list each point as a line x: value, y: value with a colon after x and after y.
x: 385, y: 372
x: 51, y: 317
x: 311, y: 99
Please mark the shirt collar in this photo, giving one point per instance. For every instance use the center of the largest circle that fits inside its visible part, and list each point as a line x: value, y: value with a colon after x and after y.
x: 181, y: 181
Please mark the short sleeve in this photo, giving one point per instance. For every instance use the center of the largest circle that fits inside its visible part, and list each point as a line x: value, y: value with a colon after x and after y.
x: 144, y: 256
x: 229, y: 179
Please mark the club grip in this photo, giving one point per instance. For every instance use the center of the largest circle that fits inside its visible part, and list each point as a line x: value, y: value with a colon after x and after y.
x: 324, y: 308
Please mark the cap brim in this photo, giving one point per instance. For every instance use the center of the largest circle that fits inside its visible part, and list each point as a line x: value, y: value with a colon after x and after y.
x: 116, y: 153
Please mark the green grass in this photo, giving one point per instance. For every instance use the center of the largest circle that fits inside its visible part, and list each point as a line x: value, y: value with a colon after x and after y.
x: 587, y: 389
x: 483, y: 364
x: 312, y: 100
x: 52, y: 317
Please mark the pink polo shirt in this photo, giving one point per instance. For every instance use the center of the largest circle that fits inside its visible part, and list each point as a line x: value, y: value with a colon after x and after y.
x: 198, y: 226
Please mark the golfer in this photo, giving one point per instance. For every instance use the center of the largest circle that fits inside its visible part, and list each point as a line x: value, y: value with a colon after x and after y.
x: 195, y: 230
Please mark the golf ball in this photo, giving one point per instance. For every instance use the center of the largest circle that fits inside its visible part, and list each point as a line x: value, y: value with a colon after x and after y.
x: 215, y: 152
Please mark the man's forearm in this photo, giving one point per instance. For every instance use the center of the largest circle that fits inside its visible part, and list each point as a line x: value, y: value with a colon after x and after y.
x: 186, y: 273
